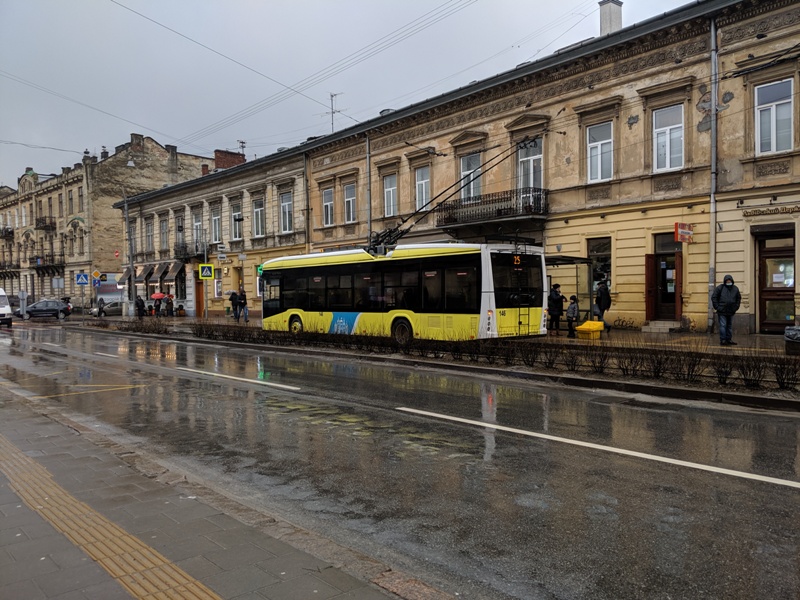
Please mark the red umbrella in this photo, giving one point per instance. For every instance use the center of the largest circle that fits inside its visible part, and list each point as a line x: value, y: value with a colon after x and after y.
x: 158, y: 296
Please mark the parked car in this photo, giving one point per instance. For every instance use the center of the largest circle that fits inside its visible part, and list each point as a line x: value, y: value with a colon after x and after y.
x: 45, y: 308
x: 108, y: 309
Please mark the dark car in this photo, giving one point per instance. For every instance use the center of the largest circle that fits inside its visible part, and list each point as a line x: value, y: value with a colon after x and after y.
x: 45, y: 308
x: 108, y: 309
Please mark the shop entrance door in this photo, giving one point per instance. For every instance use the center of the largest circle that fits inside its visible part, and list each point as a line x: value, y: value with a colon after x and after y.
x: 776, y: 283
x: 664, y: 280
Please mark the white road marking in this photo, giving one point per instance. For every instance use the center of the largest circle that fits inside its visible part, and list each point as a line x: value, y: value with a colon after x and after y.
x: 108, y: 355
x: 276, y: 385
x: 52, y: 344
x: 633, y: 453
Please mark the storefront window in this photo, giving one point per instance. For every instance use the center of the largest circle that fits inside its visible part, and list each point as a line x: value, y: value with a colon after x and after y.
x: 599, y: 250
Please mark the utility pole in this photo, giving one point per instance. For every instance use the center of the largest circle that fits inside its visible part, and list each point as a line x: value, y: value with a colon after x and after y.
x: 333, y: 111
x: 242, y: 145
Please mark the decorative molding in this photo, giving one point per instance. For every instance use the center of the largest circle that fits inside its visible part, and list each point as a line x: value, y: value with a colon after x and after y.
x: 667, y: 184
x: 469, y: 137
x: 599, y: 193
x: 773, y: 168
x: 747, y: 31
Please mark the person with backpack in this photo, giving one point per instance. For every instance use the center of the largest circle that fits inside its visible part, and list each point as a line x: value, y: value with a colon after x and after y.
x: 234, y: 300
x: 243, y: 310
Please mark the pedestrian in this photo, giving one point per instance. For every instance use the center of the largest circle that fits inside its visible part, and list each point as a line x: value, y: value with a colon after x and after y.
x: 170, y: 307
x: 243, y: 310
x: 139, y: 307
x: 726, y: 300
x: 157, y: 307
x: 555, y: 308
x: 572, y: 315
x: 602, y: 302
x: 234, y: 300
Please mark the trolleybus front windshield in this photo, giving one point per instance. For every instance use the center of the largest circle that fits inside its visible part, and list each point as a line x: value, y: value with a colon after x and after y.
x: 518, y: 279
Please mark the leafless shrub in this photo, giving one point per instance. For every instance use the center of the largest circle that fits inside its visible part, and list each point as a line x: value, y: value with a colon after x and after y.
x: 689, y: 363
x: 598, y: 357
x: 786, y: 369
x: 630, y: 361
x: 752, y: 368
x: 723, y: 366
x: 551, y: 355
x: 456, y: 349
x: 529, y: 352
x: 573, y: 358
x: 473, y: 350
x: 655, y: 363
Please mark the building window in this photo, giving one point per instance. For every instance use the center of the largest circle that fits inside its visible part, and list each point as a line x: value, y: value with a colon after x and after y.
x: 390, y: 195
x: 50, y: 207
x: 774, y: 117
x: 236, y: 221
x: 60, y: 207
x: 69, y: 202
x: 217, y: 283
x: 81, y: 243
x: 163, y: 225
x: 80, y: 199
x: 600, y: 151
x: 286, y: 212
x: 422, y: 177
x: 179, y: 237
x: 258, y: 218
x: 668, y: 138
x: 148, y: 237
x: 350, y: 203
x: 327, y: 207
x: 529, y: 166
x: 599, y: 252
x: 197, y: 230
x: 216, y: 225
x: 470, y: 176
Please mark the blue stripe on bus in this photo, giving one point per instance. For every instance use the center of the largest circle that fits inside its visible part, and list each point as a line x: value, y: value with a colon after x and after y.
x: 343, y: 322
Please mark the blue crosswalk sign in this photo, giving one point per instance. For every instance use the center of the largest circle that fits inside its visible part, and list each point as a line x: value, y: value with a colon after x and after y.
x: 81, y: 279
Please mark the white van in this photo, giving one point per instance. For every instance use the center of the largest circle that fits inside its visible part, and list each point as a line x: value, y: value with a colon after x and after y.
x: 5, y: 309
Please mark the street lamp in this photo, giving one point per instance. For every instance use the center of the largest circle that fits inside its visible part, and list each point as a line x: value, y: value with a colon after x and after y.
x: 132, y: 287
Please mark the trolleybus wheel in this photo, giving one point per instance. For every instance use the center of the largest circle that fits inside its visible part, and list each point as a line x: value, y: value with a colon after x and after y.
x: 402, y: 332
x: 295, y: 325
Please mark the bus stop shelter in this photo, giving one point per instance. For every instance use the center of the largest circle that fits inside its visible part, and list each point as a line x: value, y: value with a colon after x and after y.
x: 573, y: 273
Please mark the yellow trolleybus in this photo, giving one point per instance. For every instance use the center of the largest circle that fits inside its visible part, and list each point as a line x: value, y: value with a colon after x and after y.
x: 440, y: 291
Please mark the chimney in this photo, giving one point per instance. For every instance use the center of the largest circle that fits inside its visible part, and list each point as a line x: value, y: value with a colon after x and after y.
x: 103, y: 153
x: 204, y: 168
x: 610, y: 16
x: 224, y: 159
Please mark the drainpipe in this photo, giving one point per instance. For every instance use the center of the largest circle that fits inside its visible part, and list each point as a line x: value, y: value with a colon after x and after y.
x: 308, y: 203
x: 712, y: 238
x: 369, y: 192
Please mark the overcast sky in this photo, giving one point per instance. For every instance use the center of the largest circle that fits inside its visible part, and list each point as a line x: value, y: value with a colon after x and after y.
x: 205, y: 74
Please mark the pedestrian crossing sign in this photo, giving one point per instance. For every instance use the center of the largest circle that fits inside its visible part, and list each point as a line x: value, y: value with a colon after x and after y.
x: 81, y: 279
x: 206, y: 271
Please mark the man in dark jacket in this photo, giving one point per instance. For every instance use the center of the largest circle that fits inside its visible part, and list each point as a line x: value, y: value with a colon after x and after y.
x: 726, y: 300
x: 555, y: 308
x: 602, y: 301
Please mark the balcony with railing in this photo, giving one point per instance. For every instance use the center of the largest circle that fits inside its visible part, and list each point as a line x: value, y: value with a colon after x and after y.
x: 9, y: 269
x: 187, y: 251
x: 45, y: 223
x: 48, y: 264
x: 508, y: 205
x: 6, y: 233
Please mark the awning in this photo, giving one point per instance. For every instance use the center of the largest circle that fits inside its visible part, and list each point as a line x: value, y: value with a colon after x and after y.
x: 143, y: 273
x: 173, y: 272
x: 159, y: 270
x: 125, y: 276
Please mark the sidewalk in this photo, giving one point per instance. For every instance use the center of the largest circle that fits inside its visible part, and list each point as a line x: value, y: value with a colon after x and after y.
x: 78, y: 521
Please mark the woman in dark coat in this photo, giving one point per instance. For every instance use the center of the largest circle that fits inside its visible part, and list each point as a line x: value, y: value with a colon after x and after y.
x: 555, y: 308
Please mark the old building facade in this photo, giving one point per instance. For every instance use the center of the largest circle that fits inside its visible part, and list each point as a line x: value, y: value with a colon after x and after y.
x: 60, y: 225
x: 232, y: 219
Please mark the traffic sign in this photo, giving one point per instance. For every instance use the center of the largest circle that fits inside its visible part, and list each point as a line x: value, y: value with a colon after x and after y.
x: 96, y: 282
x: 103, y: 277
x: 222, y: 256
x: 96, y: 274
x: 116, y: 253
x: 81, y: 279
x: 206, y: 271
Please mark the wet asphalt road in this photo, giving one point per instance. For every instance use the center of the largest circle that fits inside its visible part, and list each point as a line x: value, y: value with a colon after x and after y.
x: 484, y: 507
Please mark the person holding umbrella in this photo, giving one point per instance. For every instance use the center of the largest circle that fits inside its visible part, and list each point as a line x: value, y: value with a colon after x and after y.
x: 157, y: 304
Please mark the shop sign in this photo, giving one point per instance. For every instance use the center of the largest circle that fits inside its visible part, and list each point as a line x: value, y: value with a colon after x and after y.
x: 684, y: 232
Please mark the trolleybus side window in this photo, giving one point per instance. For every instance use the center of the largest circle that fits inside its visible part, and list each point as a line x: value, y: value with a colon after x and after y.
x: 461, y: 290
x: 367, y: 291
x: 340, y: 292
x: 316, y: 293
x: 517, y: 280
x: 432, y: 290
x: 272, y: 294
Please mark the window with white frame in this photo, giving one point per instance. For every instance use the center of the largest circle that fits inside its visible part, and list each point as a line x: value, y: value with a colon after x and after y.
x: 390, y: 195
x: 422, y: 179
x: 600, y: 151
x: 217, y: 283
x: 258, y: 218
x: 131, y: 235
x: 327, y: 207
x: 197, y: 231
x: 163, y: 228
x: 236, y: 221
x: 286, y: 212
x: 216, y: 225
x: 529, y: 165
x: 668, y: 138
x: 350, y: 203
x: 148, y: 236
x: 774, y: 117
x: 471, y: 176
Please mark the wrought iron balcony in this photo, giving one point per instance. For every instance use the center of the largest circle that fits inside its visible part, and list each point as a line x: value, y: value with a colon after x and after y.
x: 48, y: 260
x: 45, y: 223
x: 500, y: 206
x: 188, y: 250
x: 6, y: 233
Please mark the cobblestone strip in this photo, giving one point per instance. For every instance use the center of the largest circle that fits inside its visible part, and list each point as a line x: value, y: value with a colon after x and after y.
x: 141, y: 570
